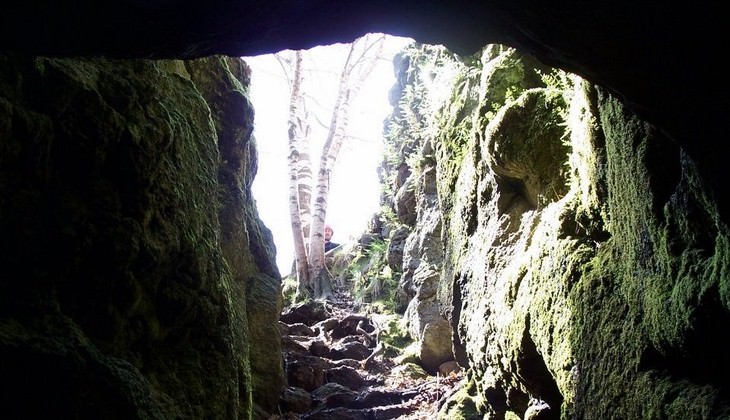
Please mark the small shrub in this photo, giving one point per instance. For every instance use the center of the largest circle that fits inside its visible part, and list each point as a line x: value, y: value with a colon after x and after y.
x: 289, y: 290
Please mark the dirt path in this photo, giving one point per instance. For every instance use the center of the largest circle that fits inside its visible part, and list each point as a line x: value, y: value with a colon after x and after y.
x: 337, y: 369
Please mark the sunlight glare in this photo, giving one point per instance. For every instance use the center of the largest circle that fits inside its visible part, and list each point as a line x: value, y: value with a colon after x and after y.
x: 355, y: 189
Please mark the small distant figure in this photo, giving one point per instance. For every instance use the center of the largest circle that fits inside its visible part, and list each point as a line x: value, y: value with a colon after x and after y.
x: 328, y: 244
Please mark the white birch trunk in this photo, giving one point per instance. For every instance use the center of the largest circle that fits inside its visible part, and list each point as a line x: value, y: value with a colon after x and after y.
x: 307, y: 215
x: 297, y: 129
x: 318, y: 274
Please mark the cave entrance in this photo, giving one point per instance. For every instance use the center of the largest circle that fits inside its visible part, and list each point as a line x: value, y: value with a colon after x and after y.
x: 354, y: 184
x: 496, y: 153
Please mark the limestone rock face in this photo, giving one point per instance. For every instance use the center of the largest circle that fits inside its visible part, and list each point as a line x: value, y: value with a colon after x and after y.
x: 137, y: 279
x: 526, y: 151
x: 578, y: 251
x: 405, y: 203
x: 396, y: 243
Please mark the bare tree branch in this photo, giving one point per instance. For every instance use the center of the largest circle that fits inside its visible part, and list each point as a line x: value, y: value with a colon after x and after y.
x: 309, y: 215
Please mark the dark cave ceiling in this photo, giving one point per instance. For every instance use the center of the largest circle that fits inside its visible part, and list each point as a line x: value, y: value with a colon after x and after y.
x: 662, y: 58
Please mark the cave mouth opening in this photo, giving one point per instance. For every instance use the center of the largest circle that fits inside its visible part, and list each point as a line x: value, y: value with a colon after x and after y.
x: 354, y: 184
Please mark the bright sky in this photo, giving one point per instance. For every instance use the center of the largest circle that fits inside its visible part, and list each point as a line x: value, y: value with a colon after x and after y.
x: 354, y: 190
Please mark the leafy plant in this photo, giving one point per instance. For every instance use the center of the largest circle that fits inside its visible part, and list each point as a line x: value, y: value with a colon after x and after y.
x: 373, y: 280
x: 289, y: 290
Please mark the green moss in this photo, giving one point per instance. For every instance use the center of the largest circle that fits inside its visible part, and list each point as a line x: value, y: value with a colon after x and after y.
x: 409, y: 371
x: 619, y: 248
x: 132, y: 166
x: 408, y: 355
x: 454, y: 123
x: 652, y: 287
x: 462, y: 405
x: 394, y: 335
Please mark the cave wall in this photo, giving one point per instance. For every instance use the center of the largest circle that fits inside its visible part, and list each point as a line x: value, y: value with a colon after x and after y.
x: 583, y: 262
x: 99, y: 268
x: 137, y: 278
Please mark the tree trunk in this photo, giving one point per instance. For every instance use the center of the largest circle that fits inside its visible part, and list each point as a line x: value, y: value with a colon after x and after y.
x: 318, y: 273
x: 297, y: 130
x: 308, y: 216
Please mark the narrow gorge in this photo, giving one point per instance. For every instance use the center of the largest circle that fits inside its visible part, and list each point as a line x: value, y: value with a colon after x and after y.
x: 555, y: 208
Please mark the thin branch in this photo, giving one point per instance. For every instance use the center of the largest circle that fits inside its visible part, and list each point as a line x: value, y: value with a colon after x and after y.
x: 367, y: 48
x: 281, y: 60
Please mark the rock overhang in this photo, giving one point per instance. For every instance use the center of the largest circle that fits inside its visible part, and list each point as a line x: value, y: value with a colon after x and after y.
x: 657, y: 58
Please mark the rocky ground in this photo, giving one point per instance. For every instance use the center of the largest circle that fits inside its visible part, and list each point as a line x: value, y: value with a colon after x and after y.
x: 338, y: 366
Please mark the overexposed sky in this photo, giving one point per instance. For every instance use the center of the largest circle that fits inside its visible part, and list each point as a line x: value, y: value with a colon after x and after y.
x: 354, y: 189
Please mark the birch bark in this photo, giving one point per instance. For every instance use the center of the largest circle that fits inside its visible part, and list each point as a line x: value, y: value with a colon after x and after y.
x: 298, y: 158
x: 348, y: 88
x: 308, y: 215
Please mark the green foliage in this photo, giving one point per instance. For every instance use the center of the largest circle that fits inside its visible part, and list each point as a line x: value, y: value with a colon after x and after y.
x: 560, y: 82
x: 387, y: 215
x: 393, y: 334
x: 556, y: 79
x: 429, y: 78
x: 373, y: 280
x: 289, y: 290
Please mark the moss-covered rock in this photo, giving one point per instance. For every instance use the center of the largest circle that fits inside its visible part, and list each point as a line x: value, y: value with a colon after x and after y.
x: 462, y: 405
x: 583, y: 258
x: 130, y: 240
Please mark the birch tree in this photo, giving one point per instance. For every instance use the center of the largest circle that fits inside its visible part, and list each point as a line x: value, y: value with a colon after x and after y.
x: 300, y: 172
x: 308, y: 207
